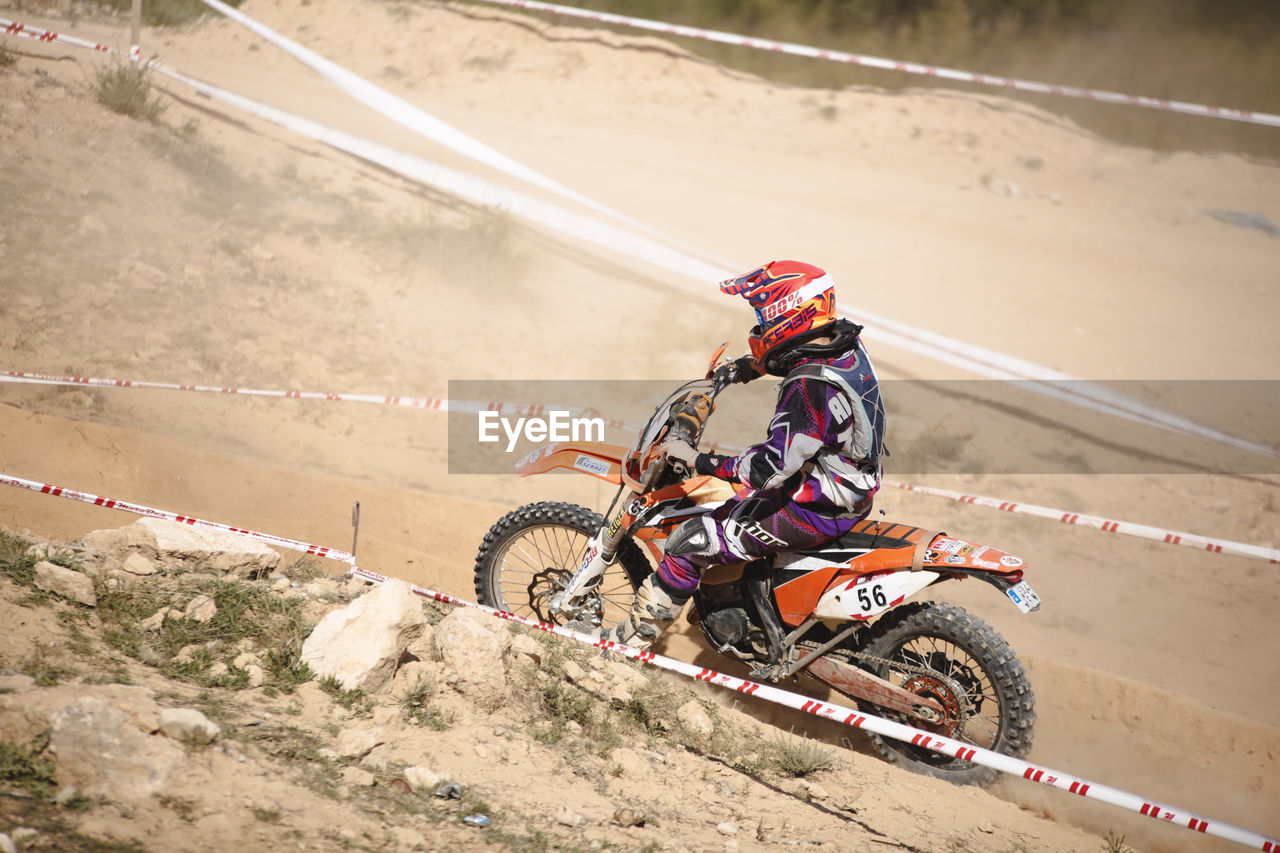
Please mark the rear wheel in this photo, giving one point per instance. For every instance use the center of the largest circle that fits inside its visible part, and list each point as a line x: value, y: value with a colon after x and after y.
x: 954, y: 658
x: 531, y: 552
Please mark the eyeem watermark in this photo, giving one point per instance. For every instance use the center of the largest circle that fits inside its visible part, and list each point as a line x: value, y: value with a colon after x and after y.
x: 559, y: 425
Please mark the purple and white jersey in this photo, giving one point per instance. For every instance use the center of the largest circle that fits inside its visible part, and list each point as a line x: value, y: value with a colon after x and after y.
x: 825, y: 439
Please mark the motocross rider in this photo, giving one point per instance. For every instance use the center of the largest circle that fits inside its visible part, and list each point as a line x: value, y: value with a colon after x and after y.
x: 814, y: 475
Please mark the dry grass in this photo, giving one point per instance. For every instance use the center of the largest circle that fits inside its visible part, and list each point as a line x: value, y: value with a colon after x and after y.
x: 125, y: 87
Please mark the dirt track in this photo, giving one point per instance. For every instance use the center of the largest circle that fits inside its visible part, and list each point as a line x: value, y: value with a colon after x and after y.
x: 211, y: 249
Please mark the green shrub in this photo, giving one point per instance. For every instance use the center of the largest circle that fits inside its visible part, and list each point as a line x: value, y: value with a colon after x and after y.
x: 125, y: 87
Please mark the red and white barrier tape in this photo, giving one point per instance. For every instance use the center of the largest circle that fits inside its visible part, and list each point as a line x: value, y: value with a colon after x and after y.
x: 1107, y: 525
x: 438, y: 404
x: 839, y: 713
x: 896, y: 65
x: 1142, y: 531
x: 400, y: 110
x: 963, y: 355
x: 151, y: 512
x: 857, y: 719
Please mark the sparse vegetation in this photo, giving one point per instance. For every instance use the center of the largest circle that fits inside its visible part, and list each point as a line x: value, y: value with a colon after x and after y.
x: 419, y: 706
x: 167, y: 13
x: 189, y: 650
x: 1114, y: 843
x: 21, y: 766
x: 15, y: 561
x: 797, y: 757
x: 125, y: 87
x: 354, y: 699
x: 7, y: 57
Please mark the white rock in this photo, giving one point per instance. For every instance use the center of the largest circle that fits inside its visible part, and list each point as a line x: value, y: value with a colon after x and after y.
x: 6, y: 844
x: 101, y: 754
x: 361, y: 643
x: 727, y: 828
x: 280, y: 584
x: 200, y: 609
x: 136, y: 564
x: 566, y: 816
x: 244, y: 659
x: 422, y: 778
x: 467, y: 643
x: 169, y: 541
x: 692, y: 716
x: 523, y: 644
x: 155, y: 620
x: 573, y: 672
x: 187, y: 725
x: 257, y: 676
x: 355, y: 743
x: 65, y: 582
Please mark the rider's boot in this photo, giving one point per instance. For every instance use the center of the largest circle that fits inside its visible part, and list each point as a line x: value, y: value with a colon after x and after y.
x: 655, y: 607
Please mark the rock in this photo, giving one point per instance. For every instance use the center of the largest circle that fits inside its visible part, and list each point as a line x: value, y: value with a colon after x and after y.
x: 156, y: 620
x: 986, y: 826
x: 218, y: 669
x: 467, y: 643
x: 200, y: 609
x: 631, y: 762
x: 694, y: 719
x: 280, y: 584
x: 573, y: 672
x: 70, y: 584
x: 136, y: 564
x: 422, y: 778
x: 244, y: 659
x: 6, y: 844
x: 361, y: 643
x: 727, y: 828
x: 101, y: 753
x: 187, y: 654
x: 66, y: 794
x: 356, y: 743
x: 23, y: 835
x: 523, y: 644
x: 16, y: 683
x: 189, y: 726
x: 356, y: 776
x: 814, y: 791
x: 257, y: 676
x: 566, y: 816
x: 169, y: 541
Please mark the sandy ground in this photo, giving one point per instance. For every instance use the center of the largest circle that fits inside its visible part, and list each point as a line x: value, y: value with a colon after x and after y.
x: 212, y: 249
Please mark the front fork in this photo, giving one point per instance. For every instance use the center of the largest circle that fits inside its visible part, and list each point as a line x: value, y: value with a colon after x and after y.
x: 602, y: 551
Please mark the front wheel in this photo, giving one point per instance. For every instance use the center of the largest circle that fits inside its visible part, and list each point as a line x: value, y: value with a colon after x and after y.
x: 529, y: 555
x: 951, y: 656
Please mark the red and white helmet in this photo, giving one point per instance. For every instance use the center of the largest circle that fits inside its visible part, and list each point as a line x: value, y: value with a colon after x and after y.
x: 792, y: 300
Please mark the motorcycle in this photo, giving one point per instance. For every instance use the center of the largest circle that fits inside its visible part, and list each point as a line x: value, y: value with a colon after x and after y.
x: 843, y: 613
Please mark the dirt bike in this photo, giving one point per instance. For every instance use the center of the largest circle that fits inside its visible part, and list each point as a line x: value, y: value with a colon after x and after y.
x: 841, y: 613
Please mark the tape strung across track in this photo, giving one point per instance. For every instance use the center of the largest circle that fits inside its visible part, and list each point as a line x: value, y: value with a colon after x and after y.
x: 959, y: 354
x: 1107, y: 525
x: 407, y: 114
x: 896, y: 65
x: 849, y: 716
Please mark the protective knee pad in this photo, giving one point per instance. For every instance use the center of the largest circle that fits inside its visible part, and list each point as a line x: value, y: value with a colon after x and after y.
x: 689, y: 539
